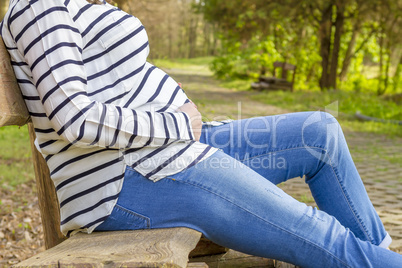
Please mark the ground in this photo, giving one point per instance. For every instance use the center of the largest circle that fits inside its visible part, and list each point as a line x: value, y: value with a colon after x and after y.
x: 377, y: 158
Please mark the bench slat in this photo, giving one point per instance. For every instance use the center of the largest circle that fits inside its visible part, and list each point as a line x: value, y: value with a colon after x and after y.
x: 47, y: 198
x: 141, y: 248
x: 13, y: 110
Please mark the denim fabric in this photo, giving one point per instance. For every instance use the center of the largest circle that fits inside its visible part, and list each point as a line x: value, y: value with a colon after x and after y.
x: 232, y: 197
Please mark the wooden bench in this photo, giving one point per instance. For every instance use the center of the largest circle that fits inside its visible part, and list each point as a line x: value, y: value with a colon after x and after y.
x: 276, y: 83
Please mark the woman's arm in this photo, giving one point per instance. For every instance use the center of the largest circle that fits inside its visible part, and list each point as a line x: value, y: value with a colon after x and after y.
x: 52, y: 46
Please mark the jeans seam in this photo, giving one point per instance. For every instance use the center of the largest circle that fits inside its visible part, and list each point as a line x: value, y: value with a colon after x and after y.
x: 281, y: 150
x: 364, y: 228
x: 270, y: 223
x: 135, y: 214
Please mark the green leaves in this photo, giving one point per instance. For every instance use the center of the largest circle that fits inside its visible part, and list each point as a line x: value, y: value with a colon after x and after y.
x: 255, y: 33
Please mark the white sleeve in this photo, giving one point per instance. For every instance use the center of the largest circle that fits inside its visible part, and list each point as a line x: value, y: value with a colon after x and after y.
x: 52, y: 46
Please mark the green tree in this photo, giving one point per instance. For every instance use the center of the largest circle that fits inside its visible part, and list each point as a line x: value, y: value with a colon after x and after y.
x: 390, y: 42
x: 332, y: 20
x: 338, y: 30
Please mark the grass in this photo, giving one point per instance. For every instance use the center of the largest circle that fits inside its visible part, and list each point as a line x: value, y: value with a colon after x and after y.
x: 391, y: 130
x: 346, y: 102
x: 15, y: 157
x: 198, y: 65
x: 240, y: 85
x: 306, y: 199
x: 15, y: 142
x: 382, y: 169
x: 343, y: 105
x: 394, y: 159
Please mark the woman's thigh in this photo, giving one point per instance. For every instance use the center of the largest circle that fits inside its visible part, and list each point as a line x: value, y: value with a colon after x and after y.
x: 279, y: 147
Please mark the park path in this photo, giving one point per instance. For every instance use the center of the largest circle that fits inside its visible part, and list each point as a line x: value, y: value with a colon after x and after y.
x: 377, y: 157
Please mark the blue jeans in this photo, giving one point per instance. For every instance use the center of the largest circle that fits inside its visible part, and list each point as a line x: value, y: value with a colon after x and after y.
x: 232, y: 197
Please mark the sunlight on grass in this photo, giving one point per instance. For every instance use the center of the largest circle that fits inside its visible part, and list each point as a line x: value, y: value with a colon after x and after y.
x: 240, y: 85
x: 306, y: 198
x: 14, y: 142
x: 348, y: 102
x: 198, y: 65
x: 346, y: 105
x: 391, y: 130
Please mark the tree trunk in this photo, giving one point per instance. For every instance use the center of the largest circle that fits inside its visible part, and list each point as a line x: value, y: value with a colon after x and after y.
x: 397, y: 74
x: 192, y: 33
x: 388, y: 51
x: 212, y: 51
x: 387, y: 65
x: 207, y: 39
x: 339, y: 23
x: 192, y: 37
x: 170, y: 36
x: 349, y: 53
x: 325, y: 33
x: 380, y: 80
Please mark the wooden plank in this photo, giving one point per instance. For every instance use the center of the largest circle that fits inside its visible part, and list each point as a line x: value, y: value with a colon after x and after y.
x: 234, y: 259
x: 13, y: 110
x: 141, y: 248
x: 48, y: 203
x: 272, y: 79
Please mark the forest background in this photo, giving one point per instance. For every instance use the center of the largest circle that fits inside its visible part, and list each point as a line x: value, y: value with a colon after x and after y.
x: 349, y: 51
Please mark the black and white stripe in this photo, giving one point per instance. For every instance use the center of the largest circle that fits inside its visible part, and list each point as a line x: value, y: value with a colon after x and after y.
x: 96, y: 103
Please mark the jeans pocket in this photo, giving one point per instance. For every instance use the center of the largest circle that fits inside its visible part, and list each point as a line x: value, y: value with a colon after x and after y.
x: 124, y: 219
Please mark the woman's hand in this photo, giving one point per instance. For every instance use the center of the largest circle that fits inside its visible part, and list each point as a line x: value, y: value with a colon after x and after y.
x: 195, y: 117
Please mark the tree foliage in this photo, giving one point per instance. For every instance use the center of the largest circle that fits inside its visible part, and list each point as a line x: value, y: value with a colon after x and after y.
x: 328, y: 40
x: 353, y: 44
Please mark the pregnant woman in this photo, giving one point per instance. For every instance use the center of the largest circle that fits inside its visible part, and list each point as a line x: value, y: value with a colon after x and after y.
x: 127, y: 149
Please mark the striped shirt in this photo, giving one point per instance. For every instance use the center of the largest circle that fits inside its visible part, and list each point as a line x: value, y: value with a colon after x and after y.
x: 96, y: 103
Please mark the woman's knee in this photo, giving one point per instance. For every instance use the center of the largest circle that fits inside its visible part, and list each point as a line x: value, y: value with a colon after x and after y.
x: 321, y: 129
